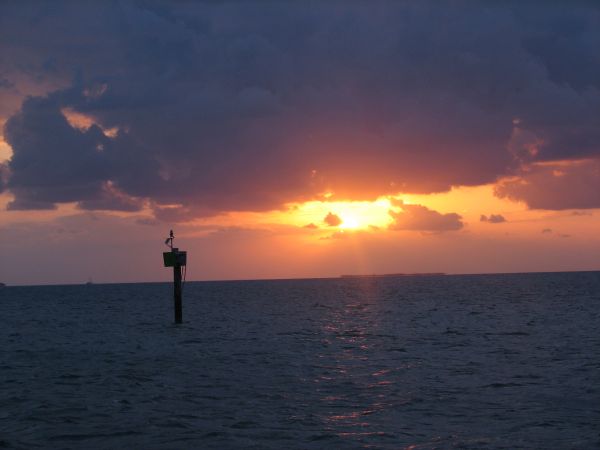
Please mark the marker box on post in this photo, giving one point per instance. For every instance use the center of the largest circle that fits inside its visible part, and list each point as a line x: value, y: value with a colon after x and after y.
x: 171, y: 259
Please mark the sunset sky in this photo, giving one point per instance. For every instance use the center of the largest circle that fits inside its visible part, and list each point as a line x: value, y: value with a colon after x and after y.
x: 297, y: 139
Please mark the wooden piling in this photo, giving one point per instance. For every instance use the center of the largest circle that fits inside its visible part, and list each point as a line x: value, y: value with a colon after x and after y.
x: 177, y: 293
x: 176, y: 260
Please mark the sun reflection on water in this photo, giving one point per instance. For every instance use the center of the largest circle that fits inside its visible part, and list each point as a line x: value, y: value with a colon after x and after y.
x: 356, y: 392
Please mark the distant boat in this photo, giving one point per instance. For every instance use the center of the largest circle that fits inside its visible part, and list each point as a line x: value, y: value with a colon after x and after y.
x: 89, y: 282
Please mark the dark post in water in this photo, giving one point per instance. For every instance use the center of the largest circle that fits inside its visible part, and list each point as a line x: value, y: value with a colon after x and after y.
x: 177, y: 260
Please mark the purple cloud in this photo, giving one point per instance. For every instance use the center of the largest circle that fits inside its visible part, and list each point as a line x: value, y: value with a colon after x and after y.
x: 556, y: 186
x: 239, y: 106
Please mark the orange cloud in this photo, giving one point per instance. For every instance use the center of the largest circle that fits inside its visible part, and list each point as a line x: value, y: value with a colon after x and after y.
x: 421, y: 218
x: 333, y: 220
x: 492, y: 218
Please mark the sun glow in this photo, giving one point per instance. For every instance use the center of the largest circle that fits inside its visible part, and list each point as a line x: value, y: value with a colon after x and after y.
x: 320, y: 219
x: 349, y: 222
x: 350, y: 215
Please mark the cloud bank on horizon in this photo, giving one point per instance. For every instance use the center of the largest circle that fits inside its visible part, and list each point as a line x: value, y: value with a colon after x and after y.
x: 199, y: 108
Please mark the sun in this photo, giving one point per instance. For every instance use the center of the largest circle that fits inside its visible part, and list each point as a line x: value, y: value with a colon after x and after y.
x: 349, y: 216
x: 313, y: 217
x: 349, y: 222
x: 352, y: 215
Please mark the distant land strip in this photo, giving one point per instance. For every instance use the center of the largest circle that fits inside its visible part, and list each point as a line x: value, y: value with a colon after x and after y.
x: 390, y: 275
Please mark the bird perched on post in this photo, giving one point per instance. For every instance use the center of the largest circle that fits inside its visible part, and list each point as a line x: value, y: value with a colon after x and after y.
x: 169, y: 240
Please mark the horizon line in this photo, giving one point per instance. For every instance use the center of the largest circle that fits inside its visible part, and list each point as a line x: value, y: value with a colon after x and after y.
x: 339, y: 277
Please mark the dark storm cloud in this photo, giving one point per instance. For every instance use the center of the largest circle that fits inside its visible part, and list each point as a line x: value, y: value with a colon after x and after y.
x: 245, y: 106
x: 4, y: 172
x: 113, y: 200
x: 54, y: 162
x: 556, y: 186
x: 421, y: 218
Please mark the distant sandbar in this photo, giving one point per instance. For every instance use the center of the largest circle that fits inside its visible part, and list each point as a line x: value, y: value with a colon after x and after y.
x: 390, y: 275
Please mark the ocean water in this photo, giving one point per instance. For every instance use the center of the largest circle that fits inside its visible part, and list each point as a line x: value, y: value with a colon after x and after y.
x: 490, y: 361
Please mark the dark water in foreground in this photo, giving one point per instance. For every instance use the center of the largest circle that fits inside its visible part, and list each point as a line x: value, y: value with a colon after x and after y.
x: 495, y: 361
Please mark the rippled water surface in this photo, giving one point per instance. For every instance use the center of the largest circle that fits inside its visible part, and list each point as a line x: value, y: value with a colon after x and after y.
x: 495, y: 361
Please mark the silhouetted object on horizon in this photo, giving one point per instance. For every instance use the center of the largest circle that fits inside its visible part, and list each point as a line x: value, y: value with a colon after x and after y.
x: 177, y: 260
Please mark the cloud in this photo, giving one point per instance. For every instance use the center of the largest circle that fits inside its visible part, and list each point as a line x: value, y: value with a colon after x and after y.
x: 559, y: 235
x: 564, y: 185
x: 234, y: 106
x: 311, y: 226
x: 5, y: 84
x: 493, y: 218
x: 338, y: 235
x: 52, y: 161
x: 179, y: 213
x: 112, y: 199
x: 332, y: 220
x: 4, y: 173
x: 421, y: 218
x: 148, y: 221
